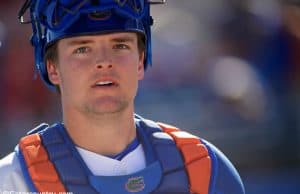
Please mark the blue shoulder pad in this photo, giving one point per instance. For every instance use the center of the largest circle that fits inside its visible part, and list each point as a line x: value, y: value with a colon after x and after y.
x: 226, y: 178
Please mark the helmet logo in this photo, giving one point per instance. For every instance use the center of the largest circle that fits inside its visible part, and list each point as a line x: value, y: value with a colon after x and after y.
x: 100, y: 15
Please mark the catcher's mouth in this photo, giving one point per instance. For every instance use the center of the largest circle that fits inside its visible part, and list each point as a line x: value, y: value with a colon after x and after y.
x: 105, y: 83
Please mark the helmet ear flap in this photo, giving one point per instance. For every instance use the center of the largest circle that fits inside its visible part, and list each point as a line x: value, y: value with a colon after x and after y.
x: 148, y: 48
x: 41, y: 63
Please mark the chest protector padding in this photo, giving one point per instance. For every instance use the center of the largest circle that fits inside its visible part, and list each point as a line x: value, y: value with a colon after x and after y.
x: 48, y: 159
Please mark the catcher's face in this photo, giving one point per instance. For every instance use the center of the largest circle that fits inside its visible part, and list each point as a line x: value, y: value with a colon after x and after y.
x: 98, y: 74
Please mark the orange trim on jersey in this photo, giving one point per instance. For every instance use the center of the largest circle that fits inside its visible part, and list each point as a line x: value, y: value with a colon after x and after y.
x: 41, y: 170
x: 196, y: 158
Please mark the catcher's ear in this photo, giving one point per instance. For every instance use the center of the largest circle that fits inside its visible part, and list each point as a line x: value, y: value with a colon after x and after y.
x: 141, y: 69
x: 53, y: 72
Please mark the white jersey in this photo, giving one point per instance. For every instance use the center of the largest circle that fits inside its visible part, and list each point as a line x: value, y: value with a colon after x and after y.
x: 11, y: 177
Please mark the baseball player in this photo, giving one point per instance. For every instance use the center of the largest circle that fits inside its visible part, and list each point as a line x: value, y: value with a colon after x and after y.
x: 93, y: 53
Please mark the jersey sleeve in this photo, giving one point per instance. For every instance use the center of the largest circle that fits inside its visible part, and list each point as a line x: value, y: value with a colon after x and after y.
x: 11, y: 176
x: 225, y: 178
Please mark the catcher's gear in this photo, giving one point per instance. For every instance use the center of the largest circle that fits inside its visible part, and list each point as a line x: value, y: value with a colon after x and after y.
x: 54, y: 20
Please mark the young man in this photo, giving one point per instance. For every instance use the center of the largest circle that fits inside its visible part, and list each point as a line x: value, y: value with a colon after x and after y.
x: 94, y: 53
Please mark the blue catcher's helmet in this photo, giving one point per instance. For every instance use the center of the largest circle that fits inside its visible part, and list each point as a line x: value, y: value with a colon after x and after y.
x: 56, y: 19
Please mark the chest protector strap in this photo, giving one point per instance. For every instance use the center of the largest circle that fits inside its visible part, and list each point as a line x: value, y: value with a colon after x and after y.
x: 41, y: 170
x: 196, y: 158
x: 46, y: 178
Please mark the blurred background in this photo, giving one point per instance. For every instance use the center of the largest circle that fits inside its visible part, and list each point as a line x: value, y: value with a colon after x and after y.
x: 226, y: 70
